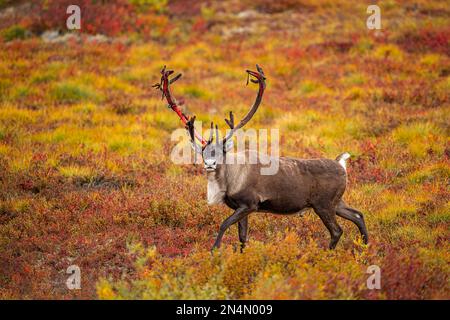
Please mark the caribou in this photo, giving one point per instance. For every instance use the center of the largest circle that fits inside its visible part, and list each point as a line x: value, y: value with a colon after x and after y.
x: 298, y: 185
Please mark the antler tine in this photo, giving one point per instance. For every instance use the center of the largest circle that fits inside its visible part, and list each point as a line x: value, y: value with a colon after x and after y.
x: 211, y: 131
x: 230, y: 122
x: 260, y: 70
x: 217, y: 135
x: 172, y: 103
x: 261, y: 80
x: 178, y: 76
x: 190, y: 128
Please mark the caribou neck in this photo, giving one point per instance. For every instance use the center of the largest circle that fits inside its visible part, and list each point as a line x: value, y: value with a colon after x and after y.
x: 216, y: 184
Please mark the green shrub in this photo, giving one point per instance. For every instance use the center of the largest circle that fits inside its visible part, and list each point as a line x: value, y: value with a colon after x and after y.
x: 13, y: 33
x: 72, y: 92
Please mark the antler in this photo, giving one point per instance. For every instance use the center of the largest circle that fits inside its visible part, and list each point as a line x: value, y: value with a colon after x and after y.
x: 261, y: 79
x: 163, y: 85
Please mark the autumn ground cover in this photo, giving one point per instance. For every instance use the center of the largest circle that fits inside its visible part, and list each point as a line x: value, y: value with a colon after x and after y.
x: 85, y: 171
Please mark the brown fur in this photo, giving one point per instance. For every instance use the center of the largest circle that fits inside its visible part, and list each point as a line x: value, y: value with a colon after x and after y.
x: 299, y: 184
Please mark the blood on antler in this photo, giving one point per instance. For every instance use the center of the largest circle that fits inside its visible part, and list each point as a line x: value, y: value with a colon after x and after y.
x: 163, y: 85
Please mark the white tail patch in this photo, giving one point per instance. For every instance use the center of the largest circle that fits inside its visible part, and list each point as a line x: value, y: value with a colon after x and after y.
x: 342, y: 160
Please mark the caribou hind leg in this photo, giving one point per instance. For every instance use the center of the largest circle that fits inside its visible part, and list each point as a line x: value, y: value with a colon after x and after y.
x: 355, y: 216
x: 328, y: 217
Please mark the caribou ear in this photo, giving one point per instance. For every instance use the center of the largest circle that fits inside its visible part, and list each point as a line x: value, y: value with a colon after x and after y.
x: 229, y: 145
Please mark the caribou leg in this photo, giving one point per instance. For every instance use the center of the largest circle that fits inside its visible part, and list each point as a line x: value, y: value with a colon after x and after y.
x: 346, y: 212
x: 238, y: 215
x: 243, y: 231
x: 328, y: 217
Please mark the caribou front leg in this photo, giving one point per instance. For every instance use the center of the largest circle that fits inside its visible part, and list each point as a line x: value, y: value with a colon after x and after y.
x: 238, y: 215
x: 243, y: 232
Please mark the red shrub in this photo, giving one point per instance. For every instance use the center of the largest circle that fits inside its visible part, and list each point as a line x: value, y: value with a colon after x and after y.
x: 405, y: 276
x: 111, y: 18
x: 366, y: 167
x: 427, y: 40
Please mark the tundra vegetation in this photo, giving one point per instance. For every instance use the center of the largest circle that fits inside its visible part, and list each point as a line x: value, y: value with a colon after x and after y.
x: 85, y: 173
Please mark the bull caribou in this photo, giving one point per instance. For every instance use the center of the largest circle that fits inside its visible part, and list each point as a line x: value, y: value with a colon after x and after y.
x: 299, y: 184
